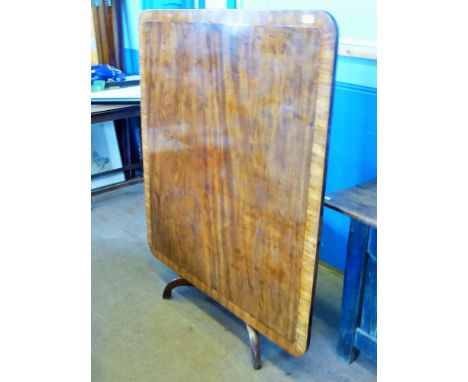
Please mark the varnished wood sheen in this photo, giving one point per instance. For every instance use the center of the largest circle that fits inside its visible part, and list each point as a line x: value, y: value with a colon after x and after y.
x: 235, y: 109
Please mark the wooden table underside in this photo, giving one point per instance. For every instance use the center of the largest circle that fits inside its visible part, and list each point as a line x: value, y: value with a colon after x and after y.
x: 235, y: 112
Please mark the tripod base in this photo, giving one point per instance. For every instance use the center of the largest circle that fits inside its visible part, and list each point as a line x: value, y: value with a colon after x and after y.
x: 253, y: 335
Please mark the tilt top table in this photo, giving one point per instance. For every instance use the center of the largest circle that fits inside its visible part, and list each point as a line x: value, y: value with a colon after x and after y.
x: 235, y: 108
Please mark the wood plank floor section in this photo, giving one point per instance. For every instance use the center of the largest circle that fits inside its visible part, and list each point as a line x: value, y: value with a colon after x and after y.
x: 138, y: 336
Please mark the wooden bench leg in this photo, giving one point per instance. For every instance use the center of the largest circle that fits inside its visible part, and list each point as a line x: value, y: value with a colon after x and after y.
x: 352, y: 289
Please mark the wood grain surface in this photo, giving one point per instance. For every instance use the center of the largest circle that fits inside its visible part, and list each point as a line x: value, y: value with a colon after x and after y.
x: 358, y: 202
x: 235, y: 108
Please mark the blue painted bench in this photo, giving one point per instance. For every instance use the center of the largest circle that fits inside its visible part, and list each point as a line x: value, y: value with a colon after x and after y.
x: 358, y: 322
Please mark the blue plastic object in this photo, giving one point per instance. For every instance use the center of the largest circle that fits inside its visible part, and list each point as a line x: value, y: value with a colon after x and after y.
x: 106, y: 73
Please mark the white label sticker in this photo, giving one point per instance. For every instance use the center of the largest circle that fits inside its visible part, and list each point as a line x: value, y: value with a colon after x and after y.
x: 308, y: 19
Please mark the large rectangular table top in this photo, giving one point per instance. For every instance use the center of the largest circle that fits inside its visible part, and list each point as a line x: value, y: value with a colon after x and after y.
x: 235, y: 109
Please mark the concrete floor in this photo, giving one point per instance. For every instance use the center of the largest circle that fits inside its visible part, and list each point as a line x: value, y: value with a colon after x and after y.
x: 138, y: 336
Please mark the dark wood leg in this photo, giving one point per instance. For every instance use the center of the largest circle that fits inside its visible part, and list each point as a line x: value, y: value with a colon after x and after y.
x: 174, y: 284
x: 366, y: 335
x: 352, y: 289
x: 254, y: 347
